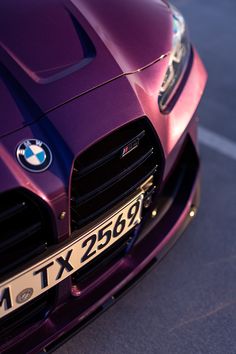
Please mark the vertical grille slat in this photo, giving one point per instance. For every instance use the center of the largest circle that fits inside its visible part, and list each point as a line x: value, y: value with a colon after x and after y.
x: 109, y: 205
x: 117, y: 178
x: 30, y: 253
x: 18, y: 236
x: 12, y: 211
x: 103, y: 160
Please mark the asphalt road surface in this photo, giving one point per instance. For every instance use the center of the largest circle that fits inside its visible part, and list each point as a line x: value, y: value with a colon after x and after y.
x: 187, y: 304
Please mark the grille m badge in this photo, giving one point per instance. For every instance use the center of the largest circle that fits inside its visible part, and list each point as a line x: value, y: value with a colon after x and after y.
x: 129, y: 147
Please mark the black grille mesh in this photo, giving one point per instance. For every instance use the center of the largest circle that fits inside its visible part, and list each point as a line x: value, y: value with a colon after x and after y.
x: 102, y: 177
x: 25, y: 229
x: 26, y: 232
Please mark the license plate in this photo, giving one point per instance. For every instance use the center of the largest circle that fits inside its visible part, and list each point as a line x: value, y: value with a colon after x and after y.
x: 50, y: 271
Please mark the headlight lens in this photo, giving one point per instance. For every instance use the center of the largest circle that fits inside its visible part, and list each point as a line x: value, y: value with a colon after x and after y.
x: 178, y: 59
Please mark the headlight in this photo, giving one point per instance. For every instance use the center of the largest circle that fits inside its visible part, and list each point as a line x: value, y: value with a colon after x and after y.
x: 178, y: 59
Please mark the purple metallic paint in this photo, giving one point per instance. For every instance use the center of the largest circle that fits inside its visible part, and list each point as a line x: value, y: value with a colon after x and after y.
x: 71, y: 111
x: 34, y: 52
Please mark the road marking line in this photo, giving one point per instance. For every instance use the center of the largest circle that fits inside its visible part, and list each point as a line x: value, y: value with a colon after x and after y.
x: 217, y: 142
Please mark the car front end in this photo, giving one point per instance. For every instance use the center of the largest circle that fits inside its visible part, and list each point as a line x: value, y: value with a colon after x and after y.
x: 99, y: 159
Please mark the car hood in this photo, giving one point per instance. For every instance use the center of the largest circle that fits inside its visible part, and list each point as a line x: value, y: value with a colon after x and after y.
x: 53, y: 51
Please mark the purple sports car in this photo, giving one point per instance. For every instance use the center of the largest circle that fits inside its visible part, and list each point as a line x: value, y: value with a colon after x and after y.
x: 99, y: 161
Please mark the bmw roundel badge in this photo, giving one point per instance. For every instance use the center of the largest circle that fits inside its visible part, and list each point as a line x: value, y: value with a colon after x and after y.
x: 34, y: 155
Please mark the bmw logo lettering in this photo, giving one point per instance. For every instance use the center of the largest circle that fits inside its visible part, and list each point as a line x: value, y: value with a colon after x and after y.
x: 34, y: 155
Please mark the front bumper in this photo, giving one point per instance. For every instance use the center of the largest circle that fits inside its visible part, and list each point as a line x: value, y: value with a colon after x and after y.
x: 161, y: 227
x: 163, y: 224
